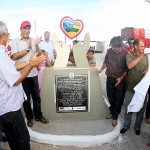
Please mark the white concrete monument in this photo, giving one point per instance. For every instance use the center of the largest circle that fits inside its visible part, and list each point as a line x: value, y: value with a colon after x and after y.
x: 72, y: 93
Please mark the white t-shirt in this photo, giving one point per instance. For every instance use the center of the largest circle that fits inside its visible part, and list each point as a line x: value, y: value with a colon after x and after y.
x: 47, y: 46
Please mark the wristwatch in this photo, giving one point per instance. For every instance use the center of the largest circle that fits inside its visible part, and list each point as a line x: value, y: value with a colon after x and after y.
x: 28, y: 50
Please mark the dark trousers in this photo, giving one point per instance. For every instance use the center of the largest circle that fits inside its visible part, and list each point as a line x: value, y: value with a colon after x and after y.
x: 115, y: 96
x: 31, y: 87
x: 147, y: 114
x: 128, y: 116
x: 15, y: 130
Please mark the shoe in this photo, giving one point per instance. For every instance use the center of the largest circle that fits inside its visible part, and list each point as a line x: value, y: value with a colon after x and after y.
x: 42, y: 120
x: 109, y: 116
x: 114, y: 122
x: 3, y: 138
x: 137, y: 132
x: 30, y: 123
x: 123, y: 130
x: 147, y: 120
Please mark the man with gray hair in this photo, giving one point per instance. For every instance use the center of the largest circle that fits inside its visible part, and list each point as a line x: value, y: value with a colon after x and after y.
x: 12, y: 94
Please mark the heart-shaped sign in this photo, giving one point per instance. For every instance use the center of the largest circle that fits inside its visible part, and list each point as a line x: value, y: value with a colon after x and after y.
x: 71, y: 28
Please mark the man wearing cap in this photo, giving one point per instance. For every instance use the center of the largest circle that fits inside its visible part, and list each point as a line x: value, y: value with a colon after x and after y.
x: 115, y: 62
x: 12, y: 94
x: 22, y: 48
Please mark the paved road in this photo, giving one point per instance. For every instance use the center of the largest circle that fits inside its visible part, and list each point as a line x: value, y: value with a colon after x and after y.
x: 128, y: 141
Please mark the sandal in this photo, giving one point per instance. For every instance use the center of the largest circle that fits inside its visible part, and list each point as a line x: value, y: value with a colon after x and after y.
x: 42, y: 120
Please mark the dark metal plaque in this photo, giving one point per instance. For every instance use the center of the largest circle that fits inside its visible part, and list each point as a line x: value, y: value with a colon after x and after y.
x: 71, y: 93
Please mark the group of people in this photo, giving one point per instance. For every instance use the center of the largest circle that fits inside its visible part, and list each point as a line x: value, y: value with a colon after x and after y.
x: 125, y: 68
x: 20, y: 79
x: 21, y: 76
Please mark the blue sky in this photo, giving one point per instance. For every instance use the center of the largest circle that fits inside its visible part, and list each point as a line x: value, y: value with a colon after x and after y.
x: 103, y: 19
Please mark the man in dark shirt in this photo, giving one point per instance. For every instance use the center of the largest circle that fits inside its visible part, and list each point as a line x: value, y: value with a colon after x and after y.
x: 116, y: 70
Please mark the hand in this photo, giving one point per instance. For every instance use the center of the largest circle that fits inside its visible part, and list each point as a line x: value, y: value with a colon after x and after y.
x: 99, y: 71
x: 36, y: 61
x: 38, y: 40
x: 46, y: 54
x: 118, y: 81
x: 30, y: 44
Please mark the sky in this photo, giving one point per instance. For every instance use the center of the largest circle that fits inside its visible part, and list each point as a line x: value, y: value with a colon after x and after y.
x: 103, y: 19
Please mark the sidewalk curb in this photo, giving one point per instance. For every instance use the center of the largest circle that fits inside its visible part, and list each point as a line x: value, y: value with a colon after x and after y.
x: 75, y: 140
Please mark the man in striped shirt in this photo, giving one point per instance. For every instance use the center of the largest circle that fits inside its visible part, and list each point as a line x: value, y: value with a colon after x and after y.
x: 12, y: 94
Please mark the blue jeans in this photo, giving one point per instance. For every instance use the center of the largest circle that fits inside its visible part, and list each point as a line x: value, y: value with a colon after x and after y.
x: 15, y: 130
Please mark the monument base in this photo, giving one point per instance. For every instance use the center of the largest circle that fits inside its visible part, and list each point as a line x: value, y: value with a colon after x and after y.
x: 50, y: 96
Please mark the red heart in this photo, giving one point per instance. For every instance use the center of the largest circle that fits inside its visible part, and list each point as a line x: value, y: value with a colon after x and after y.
x: 71, y: 28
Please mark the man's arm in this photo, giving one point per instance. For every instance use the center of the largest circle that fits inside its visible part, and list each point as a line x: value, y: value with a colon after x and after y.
x: 34, y: 62
x: 15, y: 53
x: 19, y: 54
x: 135, y: 61
x: 21, y: 65
x: 93, y: 64
x: 37, y: 41
x: 102, y: 68
x: 48, y: 62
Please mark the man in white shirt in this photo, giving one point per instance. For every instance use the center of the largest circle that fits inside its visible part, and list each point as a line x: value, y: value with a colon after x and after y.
x: 12, y: 94
x: 47, y: 45
x: 22, y: 48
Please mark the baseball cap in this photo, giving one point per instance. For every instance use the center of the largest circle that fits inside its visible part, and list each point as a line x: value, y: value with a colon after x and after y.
x: 25, y: 23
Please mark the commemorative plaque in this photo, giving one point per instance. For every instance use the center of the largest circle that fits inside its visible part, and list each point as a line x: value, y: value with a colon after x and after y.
x: 71, y: 93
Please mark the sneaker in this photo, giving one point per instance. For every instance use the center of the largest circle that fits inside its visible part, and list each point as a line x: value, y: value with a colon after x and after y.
x: 137, y: 132
x: 123, y: 130
x: 114, y: 122
x: 109, y: 116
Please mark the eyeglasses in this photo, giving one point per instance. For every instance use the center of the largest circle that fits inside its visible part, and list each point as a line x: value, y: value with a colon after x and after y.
x: 8, y: 34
